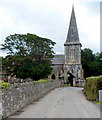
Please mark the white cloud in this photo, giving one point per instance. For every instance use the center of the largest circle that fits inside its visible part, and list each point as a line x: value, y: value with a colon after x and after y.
x: 89, y: 28
x: 50, y: 18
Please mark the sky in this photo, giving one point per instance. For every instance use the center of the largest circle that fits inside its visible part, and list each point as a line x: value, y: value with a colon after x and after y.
x: 50, y: 19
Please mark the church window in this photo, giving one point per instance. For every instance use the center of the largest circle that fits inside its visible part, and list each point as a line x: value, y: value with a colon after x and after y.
x: 72, y: 54
x: 72, y: 31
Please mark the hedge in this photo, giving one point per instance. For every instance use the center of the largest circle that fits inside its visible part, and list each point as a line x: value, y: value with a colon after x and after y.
x: 91, y: 87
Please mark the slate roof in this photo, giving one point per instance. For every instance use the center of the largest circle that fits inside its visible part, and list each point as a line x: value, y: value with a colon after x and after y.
x: 58, y: 59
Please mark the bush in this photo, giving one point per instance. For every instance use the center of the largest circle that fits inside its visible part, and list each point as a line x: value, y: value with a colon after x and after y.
x: 91, y: 87
x: 4, y: 85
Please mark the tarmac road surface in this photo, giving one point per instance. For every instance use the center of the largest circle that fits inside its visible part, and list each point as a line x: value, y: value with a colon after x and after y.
x: 63, y: 102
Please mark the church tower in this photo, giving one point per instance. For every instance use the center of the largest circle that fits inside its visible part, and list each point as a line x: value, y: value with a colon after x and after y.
x: 72, y: 48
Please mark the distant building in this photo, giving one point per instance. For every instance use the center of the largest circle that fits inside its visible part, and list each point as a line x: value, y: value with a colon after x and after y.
x: 70, y: 62
x: 58, y: 63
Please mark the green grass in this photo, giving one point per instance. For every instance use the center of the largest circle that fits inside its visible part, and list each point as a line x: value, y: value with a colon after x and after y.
x: 66, y: 84
x: 42, y: 80
x: 97, y: 102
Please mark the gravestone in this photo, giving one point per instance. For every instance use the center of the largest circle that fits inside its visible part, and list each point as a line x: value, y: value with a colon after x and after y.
x: 100, y: 99
x: 100, y: 95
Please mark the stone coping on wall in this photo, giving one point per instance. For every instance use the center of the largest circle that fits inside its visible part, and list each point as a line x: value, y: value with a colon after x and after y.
x: 19, y: 95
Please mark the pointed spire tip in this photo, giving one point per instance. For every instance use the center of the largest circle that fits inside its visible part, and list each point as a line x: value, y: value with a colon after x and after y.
x: 73, y: 6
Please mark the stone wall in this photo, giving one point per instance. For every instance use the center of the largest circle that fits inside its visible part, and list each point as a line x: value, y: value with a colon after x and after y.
x: 20, y: 95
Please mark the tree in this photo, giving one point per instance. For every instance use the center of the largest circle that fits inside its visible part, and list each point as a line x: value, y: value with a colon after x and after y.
x: 28, y: 55
x: 97, y: 64
x: 91, y: 63
x: 86, y: 58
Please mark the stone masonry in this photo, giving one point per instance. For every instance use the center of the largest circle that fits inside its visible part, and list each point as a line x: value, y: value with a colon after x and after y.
x: 73, y: 51
x: 16, y: 97
x: 70, y: 61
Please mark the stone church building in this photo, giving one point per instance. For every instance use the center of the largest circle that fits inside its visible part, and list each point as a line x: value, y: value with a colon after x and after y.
x: 69, y: 63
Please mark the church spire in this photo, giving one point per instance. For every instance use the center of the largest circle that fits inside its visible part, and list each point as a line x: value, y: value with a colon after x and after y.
x: 72, y: 6
x: 73, y: 31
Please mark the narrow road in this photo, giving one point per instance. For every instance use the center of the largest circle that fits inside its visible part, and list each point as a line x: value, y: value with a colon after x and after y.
x: 64, y: 102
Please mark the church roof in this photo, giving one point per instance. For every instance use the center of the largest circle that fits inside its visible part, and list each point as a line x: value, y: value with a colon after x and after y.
x: 72, y: 35
x: 58, y: 59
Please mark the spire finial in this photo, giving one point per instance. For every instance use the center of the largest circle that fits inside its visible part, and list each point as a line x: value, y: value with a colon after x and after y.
x: 73, y: 6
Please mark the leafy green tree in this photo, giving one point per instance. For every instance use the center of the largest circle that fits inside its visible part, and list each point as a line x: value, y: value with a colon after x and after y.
x: 28, y: 56
x: 91, y: 63
x: 86, y: 58
x: 99, y: 57
x: 97, y: 64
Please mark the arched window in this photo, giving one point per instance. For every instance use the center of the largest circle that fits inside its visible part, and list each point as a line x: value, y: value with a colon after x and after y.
x: 72, y: 54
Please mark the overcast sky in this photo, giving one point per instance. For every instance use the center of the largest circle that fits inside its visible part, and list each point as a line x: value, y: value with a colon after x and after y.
x: 50, y: 19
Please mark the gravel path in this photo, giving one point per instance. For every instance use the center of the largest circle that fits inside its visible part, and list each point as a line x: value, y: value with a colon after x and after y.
x: 64, y: 102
